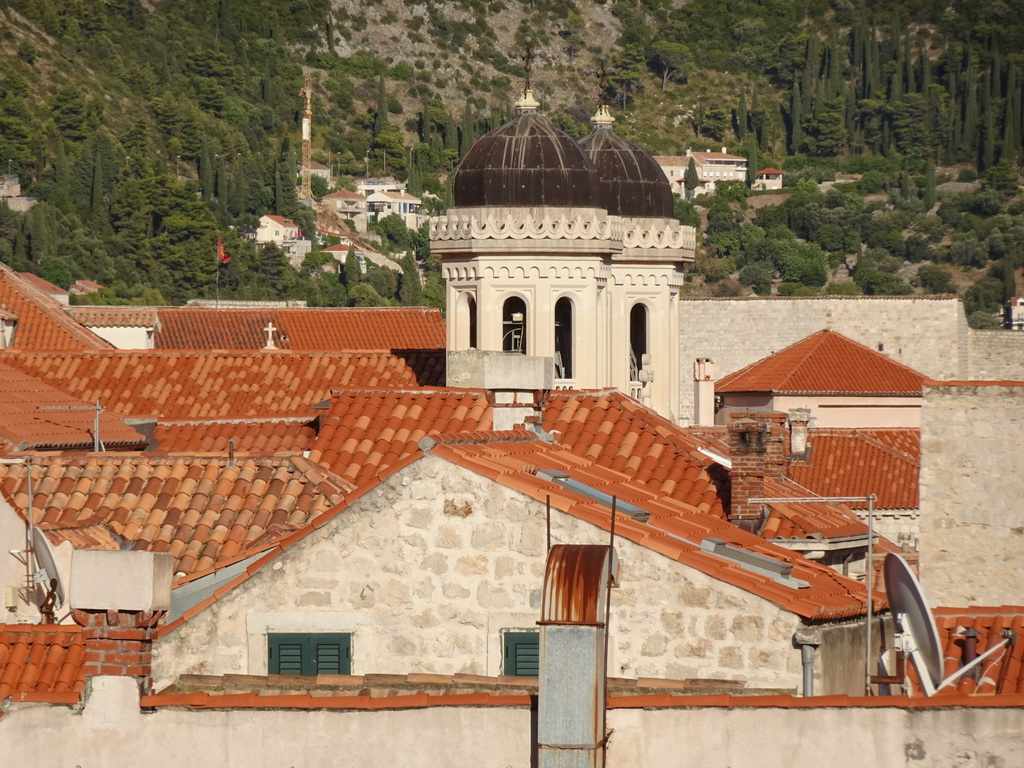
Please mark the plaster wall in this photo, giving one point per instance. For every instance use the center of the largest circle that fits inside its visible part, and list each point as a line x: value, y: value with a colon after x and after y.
x: 972, y: 527
x: 125, y: 337
x: 928, y: 334
x: 833, y: 412
x: 111, y: 728
x: 428, y: 569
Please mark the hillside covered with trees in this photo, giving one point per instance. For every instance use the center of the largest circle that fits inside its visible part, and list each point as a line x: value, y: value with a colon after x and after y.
x: 148, y: 130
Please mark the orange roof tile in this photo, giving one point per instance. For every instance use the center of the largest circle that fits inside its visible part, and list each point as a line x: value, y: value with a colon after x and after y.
x: 1001, y: 674
x: 825, y: 363
x: 42, y: 324
x: 219, y: 385
x: 859, y: 462
x: 114, y: 317
x: 43, y: 285
x: 41, y: 662
x: 616, y: 432
x: 201, y: 510
x: 674, y: 529
x: 38, y: 416
x: 351, y: 329
x: 368, y: 429
x: 803, y: 520
x: 262, y: 437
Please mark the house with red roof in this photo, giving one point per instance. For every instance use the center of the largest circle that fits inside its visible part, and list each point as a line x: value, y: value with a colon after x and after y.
x: 767, y: 178
x: 712, y: 168
x: 284, y: 233
x: 841, y: 382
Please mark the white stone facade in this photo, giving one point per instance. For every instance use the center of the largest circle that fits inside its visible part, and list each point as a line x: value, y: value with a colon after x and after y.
x: 972, y: 523
x: 430, y: 568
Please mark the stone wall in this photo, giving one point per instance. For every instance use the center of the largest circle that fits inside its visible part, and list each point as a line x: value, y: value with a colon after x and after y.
x: 996, y: 355
x: 428, y: 569
x: 972, y: 523
x: 112, y: 730
x: 927, y: 333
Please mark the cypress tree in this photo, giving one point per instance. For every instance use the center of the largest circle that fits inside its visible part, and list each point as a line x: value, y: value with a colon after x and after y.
x: 691, y: 181
x: 874, y: 77
x: 970, y: 128
x: 910, y: 84
x: 741, y: 116
x: 988, y: 149
x: 929, y: 186
x: 381, y: 118
x: 206, y: 173
x: 796, y: 135
x: 353, y: 274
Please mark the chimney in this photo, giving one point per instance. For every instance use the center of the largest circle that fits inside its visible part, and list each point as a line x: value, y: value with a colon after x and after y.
x: 703, y: 392
x: 799, y: 419
x: 757, y: 445
x: 119, y: 598
x: 573, y: 661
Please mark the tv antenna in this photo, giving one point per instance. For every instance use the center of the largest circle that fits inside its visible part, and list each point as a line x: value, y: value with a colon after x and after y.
x: 918, y: 636
x: 97, y: 444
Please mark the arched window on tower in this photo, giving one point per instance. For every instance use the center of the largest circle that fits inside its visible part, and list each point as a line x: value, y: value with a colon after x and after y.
x: 513, y: 326
x: 563, y: 339
x: 638, y: 344
x: 471, y: 307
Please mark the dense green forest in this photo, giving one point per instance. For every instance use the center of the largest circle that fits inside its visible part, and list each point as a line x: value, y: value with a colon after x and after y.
x: 147, y: 131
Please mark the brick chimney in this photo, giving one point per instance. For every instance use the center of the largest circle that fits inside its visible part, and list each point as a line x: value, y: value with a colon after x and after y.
x: 757, y: 444
x: 119, y: 598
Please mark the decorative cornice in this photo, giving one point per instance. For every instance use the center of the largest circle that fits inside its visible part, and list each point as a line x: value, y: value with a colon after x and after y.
x: 658, y: 233
x: 475, y: 224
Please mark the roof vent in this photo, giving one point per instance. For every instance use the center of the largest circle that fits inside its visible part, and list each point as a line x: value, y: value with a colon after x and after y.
x: 766, y: 566
x: 563, y: 479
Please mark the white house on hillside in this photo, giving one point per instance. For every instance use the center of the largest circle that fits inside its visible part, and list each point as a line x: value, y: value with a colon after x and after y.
x: 285, y: 233
x: 712, y: 167
x: 401, y: 204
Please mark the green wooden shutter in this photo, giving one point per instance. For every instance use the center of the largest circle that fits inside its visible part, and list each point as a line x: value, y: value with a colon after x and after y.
x: 310, y: 654
x: 522, y: 654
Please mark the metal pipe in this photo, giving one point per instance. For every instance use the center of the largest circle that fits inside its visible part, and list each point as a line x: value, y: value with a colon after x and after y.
x: 868, y: 582
x: 807, y: 658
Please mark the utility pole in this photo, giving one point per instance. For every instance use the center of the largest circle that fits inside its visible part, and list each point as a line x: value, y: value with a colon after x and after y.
x: 306, y: 191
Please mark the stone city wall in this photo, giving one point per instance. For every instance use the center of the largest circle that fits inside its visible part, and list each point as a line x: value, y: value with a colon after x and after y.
x: 996, y: 355
x: 972, y: 523
x: 928, y: 334
x: 112, y: 730
x: 427, y: 571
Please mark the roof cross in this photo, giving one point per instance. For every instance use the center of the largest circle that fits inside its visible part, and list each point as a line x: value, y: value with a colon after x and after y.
x: 270, y: 335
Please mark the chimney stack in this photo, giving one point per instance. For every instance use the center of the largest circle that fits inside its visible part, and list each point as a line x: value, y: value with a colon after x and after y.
x: 757, y: 445
x: 119, y: 598
x: 703, y: 392
x: 799, y: 419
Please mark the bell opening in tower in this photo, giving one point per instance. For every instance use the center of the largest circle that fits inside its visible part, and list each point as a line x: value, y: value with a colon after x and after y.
x: 513, y: 326
x: 471, y: 311
x: 637, y: 340
x: 563, y: 339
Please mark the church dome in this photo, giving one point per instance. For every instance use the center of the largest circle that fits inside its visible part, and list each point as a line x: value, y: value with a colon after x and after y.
x: 526, y: 162
x: 630, y: 181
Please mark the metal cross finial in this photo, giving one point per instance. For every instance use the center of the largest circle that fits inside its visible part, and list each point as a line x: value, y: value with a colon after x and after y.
x: 528, y: 55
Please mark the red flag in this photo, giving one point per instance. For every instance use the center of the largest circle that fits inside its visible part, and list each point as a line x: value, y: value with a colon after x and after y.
x: 224, y: 258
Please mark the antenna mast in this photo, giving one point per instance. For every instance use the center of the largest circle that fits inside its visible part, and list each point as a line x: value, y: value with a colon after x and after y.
x: 306, y: 190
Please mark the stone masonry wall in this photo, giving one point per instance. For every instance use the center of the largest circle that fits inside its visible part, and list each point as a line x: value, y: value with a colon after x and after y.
x: 972, y: 520
x: 996, y: 355
x: 430, y: 567
x: 928, y: 334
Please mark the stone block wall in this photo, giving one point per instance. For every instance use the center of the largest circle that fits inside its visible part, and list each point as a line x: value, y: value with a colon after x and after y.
x: 996, y: 355
x: 928, y: 334
x: 972, y: 487
x: 428, y: 569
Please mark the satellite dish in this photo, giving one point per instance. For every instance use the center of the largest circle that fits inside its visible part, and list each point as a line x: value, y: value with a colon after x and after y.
x: 919, y: 635
x: 48, y: 571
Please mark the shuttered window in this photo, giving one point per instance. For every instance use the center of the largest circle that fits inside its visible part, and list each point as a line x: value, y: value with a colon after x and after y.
x: 310, y: 654
x: 522, y: 654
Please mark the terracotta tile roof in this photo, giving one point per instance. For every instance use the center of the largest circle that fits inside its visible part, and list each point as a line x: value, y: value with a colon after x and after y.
x: 281, y: 220
x: 42, y: 324
x: 200, y: 510
x: 372, y: 328
x: 1001, y: 674
x: 825, y: 363
x: 769, y: 172
x: 802, y: 520
x: 859, y: 462
x: 252, y: 437
x: 217, y: 385
x: 114, y: 317
x: 344, y: 194
x: 42, y: 285
x: 41, y: 663
x: 618, y: 433
x: 675, y: 529
x: 366, y: 430
x: 34, y: 415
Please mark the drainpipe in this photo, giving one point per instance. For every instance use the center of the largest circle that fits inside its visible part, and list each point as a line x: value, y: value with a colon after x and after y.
x: 808, y: 639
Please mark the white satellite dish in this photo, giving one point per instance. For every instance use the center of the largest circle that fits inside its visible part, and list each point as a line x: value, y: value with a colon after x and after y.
x: 918, y: 635
x: 48, y: 574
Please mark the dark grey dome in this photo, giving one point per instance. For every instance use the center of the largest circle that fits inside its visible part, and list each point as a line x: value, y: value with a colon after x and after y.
x: 630, y: 181
x: 526, y: 162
